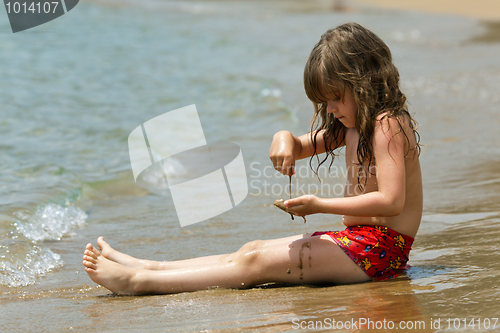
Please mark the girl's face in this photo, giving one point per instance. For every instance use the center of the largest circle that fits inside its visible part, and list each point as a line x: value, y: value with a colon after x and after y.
x: 343, y: 108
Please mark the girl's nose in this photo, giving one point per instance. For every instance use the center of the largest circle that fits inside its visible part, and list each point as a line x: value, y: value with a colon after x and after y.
x: 330, y: 107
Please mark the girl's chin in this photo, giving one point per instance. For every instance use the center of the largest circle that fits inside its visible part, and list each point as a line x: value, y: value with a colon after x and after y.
x: 346, y: 124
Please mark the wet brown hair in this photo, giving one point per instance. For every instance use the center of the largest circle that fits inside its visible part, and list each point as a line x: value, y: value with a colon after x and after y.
x: 351, y: 57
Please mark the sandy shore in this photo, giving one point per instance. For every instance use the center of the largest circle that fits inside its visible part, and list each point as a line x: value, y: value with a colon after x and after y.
x: 480, y: 9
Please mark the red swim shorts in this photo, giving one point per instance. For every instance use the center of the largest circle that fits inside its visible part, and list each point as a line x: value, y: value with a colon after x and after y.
x: 379, y: 251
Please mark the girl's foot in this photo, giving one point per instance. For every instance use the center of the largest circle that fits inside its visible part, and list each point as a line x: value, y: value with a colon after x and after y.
x: 124, y: 259
x: 117, y: 278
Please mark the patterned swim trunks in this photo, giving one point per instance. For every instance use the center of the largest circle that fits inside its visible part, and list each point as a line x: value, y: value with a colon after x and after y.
x: 379, y: 251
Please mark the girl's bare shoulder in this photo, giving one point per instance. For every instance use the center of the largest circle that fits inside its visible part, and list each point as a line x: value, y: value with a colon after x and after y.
x: 401, y: 127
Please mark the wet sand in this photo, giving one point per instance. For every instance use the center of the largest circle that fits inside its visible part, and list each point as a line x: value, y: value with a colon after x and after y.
x: 442, y: 285
x: 488, y: 11
x: 480, y: 9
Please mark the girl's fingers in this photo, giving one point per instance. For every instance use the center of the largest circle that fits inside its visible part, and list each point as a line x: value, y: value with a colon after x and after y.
x: 295, y: 211
x: 288, y: 167
x: 279, y: 164
x: 290, y: 203
x: 285, y: 165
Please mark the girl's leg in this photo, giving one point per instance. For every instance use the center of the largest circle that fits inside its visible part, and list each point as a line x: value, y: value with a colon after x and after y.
x: 122, y: 258
x: 129, y: 261
x: 126, y: 260
x: 307, y: 260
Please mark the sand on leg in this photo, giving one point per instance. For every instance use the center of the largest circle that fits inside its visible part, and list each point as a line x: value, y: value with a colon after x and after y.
x: 307, y: 260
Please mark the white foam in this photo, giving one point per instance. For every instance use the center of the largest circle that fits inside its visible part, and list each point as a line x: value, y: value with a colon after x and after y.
x: 22, y: 260
x: 50, y: 222
x: 17, y: 272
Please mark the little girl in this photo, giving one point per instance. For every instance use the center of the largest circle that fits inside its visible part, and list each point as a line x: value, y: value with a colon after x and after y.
x: 354, y: 86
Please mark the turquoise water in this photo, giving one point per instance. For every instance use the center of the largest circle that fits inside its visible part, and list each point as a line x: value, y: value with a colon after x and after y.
x: 72, y: 90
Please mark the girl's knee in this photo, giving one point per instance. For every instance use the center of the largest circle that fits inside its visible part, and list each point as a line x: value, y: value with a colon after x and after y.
x: 246, y: 254
x: 251, y: 246
x: 251, y: 259
x: 248, y: 247
x: 254, y: 262
x: 251, y: 266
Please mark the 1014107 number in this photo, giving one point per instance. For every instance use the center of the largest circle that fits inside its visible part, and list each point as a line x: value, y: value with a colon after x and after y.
x: 35, y: 8
x: 474, y: 323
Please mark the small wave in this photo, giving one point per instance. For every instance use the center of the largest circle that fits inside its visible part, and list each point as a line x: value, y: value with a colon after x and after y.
x: 18, y: 272
x: 49, y: 222
x: 22, y: 260
x: 413, y: 36
x: 270, y: 92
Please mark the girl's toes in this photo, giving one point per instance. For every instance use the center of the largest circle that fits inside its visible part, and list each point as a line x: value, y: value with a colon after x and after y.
x: 90, y: 259
x: 89, y: 264
x: 101, y: 243
x: 90, y: 254
x: 96, y: 252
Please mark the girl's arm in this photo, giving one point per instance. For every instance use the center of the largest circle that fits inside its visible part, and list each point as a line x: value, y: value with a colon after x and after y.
x: 287, y: 148
x: 387, y: 200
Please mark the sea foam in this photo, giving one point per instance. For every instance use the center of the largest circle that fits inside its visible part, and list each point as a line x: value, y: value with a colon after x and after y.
x: 23, y: 258
x: 22, y: 270
x: 50, y: 222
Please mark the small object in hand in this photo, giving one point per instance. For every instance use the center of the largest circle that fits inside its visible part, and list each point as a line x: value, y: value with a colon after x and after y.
x: 281, y: 205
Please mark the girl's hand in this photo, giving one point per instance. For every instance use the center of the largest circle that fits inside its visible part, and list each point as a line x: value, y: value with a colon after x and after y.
x: 304, y: 205
x: 283, y: 152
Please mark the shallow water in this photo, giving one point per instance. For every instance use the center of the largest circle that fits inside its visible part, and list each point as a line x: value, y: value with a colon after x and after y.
x: 72, y: 90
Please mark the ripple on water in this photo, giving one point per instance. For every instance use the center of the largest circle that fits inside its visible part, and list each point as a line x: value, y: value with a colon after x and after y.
x: 22, y: 258
x: 438, y: 222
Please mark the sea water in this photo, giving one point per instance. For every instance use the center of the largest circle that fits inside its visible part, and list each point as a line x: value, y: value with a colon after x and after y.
x: 72, y: 90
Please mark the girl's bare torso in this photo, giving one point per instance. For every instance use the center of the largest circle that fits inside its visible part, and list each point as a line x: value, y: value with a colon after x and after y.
x: 408, y: 221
